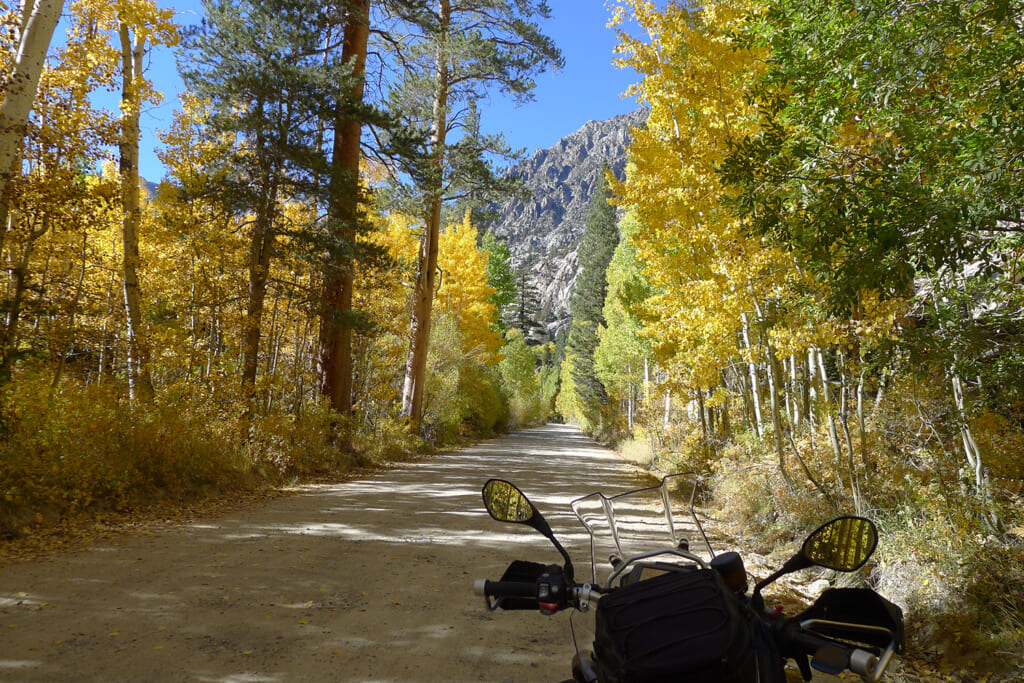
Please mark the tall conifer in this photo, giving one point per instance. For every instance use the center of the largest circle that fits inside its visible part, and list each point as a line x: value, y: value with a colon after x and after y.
x: 595, y: 253
x: 467, y: 50
x: 271, y: 84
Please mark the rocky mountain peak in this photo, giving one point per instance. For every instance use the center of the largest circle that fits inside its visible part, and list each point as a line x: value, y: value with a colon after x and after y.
x: 544, y: 230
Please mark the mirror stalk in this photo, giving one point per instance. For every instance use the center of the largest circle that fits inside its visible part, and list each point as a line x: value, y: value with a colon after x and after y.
x: 793, y: 564
x: 506, y: 503
x: 843, y: 545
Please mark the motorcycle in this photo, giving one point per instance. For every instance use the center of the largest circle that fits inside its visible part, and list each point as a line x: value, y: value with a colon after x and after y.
x: 669, y: 612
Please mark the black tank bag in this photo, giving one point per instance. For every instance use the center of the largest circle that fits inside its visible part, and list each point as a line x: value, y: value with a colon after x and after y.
x: 677, y: 626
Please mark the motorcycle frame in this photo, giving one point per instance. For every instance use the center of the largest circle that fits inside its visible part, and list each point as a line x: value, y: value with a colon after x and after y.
x: 608, y: 506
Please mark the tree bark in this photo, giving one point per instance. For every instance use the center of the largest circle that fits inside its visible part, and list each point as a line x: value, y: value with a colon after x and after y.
x: 426, y: 272
x: 794, y: 384
x: 139, y: 378
x: 705, y: 431
x: 752, y: 370
x: 261, y: 249
x: 335, y: 343
x: 773, y: 395
x: 38, y: 20
x: 20, y: 279
x: 826, y: 395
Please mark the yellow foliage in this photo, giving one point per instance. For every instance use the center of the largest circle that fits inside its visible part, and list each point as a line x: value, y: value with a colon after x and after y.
x: 464, y: 291
x: 708, y: 272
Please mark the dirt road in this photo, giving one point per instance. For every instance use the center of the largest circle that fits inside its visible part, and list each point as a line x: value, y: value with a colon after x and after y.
x: 363, y: 581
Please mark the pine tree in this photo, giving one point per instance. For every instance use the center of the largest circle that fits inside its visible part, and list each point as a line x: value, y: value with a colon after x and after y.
x: 587, y: 304
x: 467, y: 49
x: 523, y: 312
x: 346, y: 221
x: 262, y: 65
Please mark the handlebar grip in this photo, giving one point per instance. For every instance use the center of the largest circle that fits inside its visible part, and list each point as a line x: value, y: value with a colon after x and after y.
x: 870, y: 667
x: 863, y: 663
x: 505, y: 589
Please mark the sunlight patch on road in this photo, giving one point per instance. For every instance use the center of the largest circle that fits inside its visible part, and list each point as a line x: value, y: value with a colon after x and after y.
x: 243, y: 677
x: 19, y: 600
x: 19, y: 663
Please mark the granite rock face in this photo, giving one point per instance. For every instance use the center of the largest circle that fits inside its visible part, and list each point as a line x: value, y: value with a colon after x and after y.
x: 544, y: 231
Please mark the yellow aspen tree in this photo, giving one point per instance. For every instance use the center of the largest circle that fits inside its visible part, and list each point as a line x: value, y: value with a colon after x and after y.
x: 383, y: 293
x: 700, y: 263
x: 50, y: 202
x: 37, y: 21
x: 201, y: 246
x: 464, y: 291
x: 139, y: 21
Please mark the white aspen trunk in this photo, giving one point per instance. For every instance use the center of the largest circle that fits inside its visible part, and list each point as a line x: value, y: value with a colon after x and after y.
x: 826, y: 394
x: 629, y: 409
x: 786, y: 385
x: 703, y: 416
x: 881, y: 388
x: 810, y: 366
x: 629, y: 397
x: 794, y: 380
x: 858, y: 505
x: 862, y: 431
x: 844, y: 390
x: 805, y: 391
x: 38, y: 21
x: 139, y: 378
x: 668, y: 406
x: 752, y: 371
x: 192, y: 322
x: 971, y: 450
x: 773, y: 396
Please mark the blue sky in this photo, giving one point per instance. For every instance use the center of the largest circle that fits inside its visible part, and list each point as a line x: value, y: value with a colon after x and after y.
x: 588, y: 88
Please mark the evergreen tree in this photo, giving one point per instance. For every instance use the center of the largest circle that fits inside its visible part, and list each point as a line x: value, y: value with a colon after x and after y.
x: 345, y: 217
x: 522, y: 314
x: 587, y: 304
x: 499, y: 274
x: 262, y: 66
x: 455, y: 53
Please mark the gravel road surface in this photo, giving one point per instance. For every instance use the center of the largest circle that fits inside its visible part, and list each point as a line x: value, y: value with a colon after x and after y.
x: 369, y: 580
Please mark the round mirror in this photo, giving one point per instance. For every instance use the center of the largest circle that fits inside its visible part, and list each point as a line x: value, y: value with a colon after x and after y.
x: 506, y: 503
x: 844, y: 544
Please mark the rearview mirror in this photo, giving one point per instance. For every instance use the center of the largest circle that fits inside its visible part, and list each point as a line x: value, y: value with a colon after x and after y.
x: 844, y: 544
x: 506, y: 503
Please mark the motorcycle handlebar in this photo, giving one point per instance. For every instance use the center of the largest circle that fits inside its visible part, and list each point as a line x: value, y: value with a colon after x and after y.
x: 864, y: 663
x: 505, y: 589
